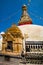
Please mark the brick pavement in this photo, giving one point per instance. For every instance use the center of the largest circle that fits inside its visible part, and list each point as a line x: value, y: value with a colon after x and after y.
x: 13, y: 61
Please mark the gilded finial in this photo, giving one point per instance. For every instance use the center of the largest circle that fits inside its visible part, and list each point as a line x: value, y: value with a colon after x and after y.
x: 24, y: 7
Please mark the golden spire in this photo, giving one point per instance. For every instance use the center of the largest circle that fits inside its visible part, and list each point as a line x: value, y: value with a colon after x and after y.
x: 25, y: 19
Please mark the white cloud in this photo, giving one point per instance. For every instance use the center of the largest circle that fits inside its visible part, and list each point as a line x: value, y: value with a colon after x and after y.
x: 2, y: 33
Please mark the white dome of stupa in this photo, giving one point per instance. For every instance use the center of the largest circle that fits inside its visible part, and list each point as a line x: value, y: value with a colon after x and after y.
x: 32, y: 32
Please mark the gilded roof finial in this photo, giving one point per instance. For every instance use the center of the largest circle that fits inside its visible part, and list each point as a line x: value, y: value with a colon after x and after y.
x: 24, y: 7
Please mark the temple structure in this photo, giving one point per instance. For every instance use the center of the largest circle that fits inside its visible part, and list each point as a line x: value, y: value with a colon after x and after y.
x: 12, y: 41
x: 33, y: 38
x: 25, y: 37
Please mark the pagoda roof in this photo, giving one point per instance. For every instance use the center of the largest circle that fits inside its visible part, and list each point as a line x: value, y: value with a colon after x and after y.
x: 14, y: 31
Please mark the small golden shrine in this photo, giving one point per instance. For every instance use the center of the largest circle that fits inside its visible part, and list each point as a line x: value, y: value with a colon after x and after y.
x: 12, y: 41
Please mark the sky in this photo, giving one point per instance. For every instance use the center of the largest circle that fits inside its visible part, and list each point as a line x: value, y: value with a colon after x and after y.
x: 11, y: 11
